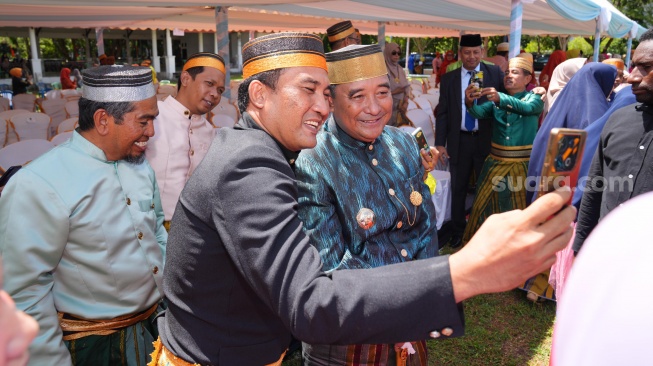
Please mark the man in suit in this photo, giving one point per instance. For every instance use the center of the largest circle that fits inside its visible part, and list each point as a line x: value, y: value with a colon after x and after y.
x: 241, y: 275
x: 459, y: 137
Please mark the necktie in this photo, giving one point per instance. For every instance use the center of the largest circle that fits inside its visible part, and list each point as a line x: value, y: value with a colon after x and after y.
x: 470, y: 121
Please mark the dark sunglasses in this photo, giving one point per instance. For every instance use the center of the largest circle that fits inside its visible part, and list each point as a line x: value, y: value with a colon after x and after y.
x: 395, y: 53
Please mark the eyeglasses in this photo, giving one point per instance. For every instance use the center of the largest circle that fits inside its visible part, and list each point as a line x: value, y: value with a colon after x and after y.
x: 395, y: 53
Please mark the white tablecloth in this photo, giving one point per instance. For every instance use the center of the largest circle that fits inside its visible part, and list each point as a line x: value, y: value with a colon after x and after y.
x: 442, y: 196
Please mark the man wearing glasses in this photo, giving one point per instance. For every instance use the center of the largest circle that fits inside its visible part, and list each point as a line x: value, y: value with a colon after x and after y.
x: 342, y: 35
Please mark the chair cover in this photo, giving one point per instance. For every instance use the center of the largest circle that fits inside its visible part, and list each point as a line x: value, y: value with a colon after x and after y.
x: 4, y: 104
x: 72, y: 108
x: 53, y: 94
x: 442, y: 196
x: 30, y: 126
x: 22, y: 152
x: 6, y: 116
x: 432, y: 98
x: 223, y: 120
x: 67, y: 125
x: 420, y: 118
x: 167, y: 89
x: 61, y: 138
x: 4, y: 129
x: 56, y: 109
x: 25, y: 101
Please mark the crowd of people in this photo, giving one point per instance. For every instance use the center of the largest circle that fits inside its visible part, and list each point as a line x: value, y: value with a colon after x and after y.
x: 151, y: 237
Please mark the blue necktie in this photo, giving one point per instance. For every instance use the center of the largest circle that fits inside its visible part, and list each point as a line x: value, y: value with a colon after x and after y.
x: 470, y: 121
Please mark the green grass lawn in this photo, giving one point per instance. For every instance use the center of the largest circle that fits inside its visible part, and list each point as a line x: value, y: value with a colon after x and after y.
x: 501, y: 329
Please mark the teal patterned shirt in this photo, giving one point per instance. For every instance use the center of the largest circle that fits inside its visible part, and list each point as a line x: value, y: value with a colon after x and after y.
x: 341, y: 175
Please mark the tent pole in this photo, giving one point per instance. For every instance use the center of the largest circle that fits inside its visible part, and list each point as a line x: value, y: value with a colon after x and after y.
x: 516, y: 11
x: 156, y: 62
x: 170, y: 58
x: 597, y: 39
x: 200, y: 42
x: 222, y: 38
x: 407, y: 55
x: 628, y: 51
x: 381, y: 35
x: 37, y: 70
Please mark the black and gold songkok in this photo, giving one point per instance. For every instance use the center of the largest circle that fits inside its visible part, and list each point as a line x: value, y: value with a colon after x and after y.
x: 282, y: 50
x: 356, y: 62
x: 340, y: 31
x: 112, y: 83
x: 205, y: 59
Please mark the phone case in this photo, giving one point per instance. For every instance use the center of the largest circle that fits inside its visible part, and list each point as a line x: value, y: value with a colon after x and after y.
x: 421, y: 139
x: 562, y: 161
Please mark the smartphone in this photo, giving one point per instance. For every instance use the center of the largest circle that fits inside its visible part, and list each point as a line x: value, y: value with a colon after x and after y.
x: 477, y: 80
x: 421, y: 139
x: 564, y: 154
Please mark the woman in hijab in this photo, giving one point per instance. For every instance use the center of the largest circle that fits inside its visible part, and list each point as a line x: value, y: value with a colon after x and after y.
x: 560, y: 77
x: 399, y: 85
x: 78, y: 77
x: 18, y: 84
x: 66, y: 81
x: 583, y: 101
x: 556, y: 58
x: 448, y: 59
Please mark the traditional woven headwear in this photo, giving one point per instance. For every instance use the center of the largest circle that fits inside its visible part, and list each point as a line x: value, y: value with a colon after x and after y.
x: 16, y: 72
x: 282, y: 50
x: 118, y: 84
x: 340, y: 31
x: 527, y: 56
x: 471, y: 40
x: 503, y: 47
x: 355, y: 62
x: 206, y: 59
x: 617, y: 62
x: 522, y: 63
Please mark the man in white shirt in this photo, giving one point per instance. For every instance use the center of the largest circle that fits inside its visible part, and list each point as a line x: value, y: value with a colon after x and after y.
x: 182, y: 132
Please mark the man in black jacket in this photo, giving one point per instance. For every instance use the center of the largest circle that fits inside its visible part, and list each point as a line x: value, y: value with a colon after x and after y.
x: 241, y: 276
x: 459, y: 137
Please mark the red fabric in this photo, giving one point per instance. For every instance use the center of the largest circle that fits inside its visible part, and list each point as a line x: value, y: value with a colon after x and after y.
x: 66, y: 83
x: 556, y: 58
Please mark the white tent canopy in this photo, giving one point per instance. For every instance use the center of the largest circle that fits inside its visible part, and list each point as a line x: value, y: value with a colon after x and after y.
x: 413, y: 18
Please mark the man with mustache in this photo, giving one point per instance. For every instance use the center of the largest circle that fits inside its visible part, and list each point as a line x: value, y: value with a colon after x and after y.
x: 81, y: 230
x: 622, y: 167
x: 182, y: 132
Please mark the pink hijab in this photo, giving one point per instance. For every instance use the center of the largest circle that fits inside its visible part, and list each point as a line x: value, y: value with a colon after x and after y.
x: 560, y: 77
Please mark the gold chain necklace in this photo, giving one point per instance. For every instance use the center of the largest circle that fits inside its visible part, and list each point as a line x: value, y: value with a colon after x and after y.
x: 415, y: 198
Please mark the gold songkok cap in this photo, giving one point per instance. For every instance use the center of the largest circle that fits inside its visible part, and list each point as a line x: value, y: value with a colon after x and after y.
x: 522, y: 63
x: 113, y: 83
x: 340, y: 31
x: 356, y: 62
x: 282, y: 50
x: 617, y: 62
x: 205, y: 59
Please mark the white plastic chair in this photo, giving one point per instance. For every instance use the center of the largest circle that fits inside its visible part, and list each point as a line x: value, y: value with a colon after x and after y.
x: 420, y: 118
x: 6, y: 116
x: 56, y: 109
x: 223, y: 120
x: 72, y: 108
x: 25, y: 101
x: 22, y: 152
x: 31, y: 126
x: 4, y: 104
x: 432, y: 98
x: 61, y: 138
x: 423, y: 103
x: 67, y: 125
x: 4, y: 129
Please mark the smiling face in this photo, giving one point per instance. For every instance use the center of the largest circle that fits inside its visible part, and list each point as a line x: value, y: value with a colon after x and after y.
x: 295, y: 110
x: 203, y: 93
x: 515, y: 80
x: 362, y: 108
x: 128, y: 140
x: 641, y: 78
x: 470, y: 56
